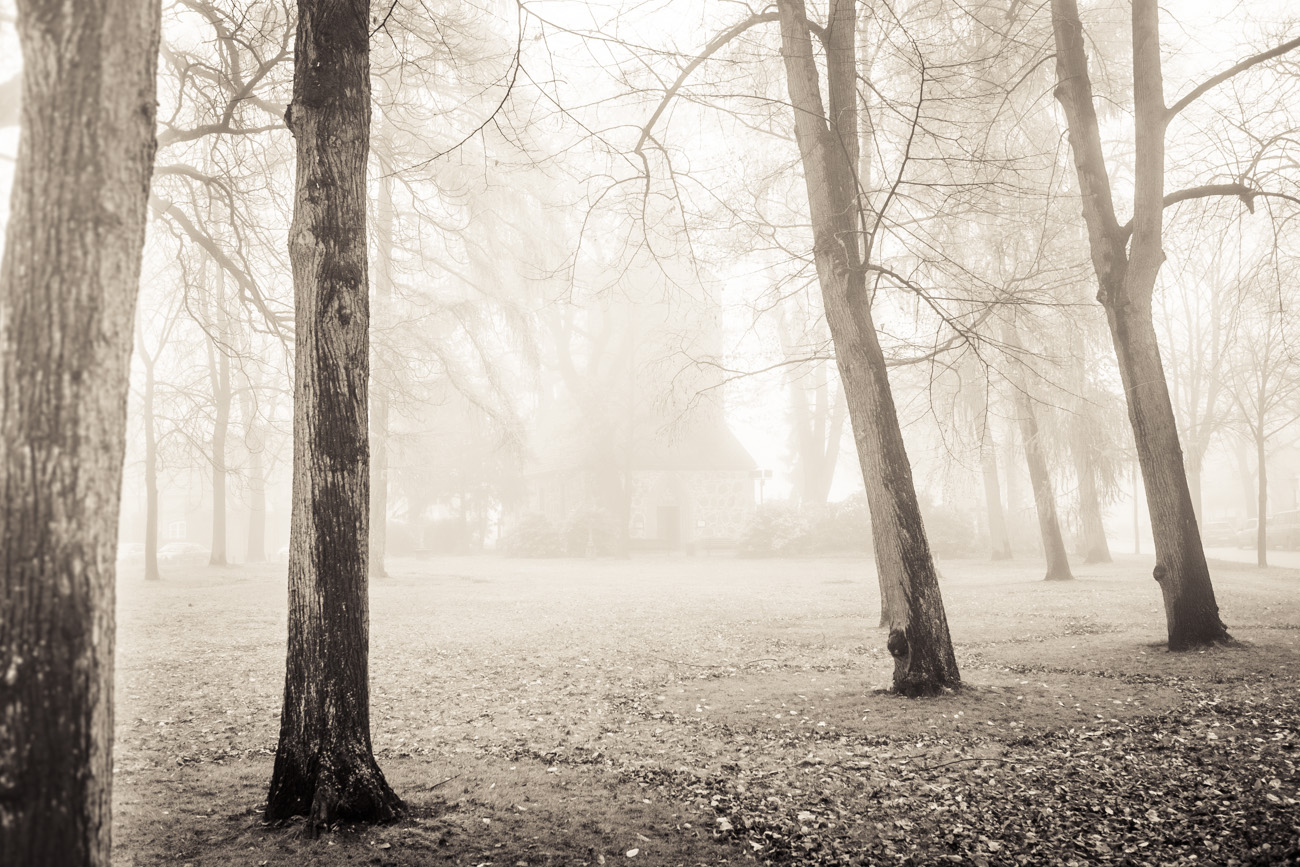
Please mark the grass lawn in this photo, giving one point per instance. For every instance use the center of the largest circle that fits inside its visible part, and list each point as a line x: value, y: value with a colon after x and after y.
x: 714, y: 710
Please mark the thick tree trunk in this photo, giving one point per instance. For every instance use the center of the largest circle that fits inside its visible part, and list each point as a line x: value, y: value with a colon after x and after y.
x: 1261, y: 506
x: 1126, y: 275
x: 1191, y: 612
x: 68, y: 287
x: 151, y: 572
x: 918, y: 635
x: 324, y: 766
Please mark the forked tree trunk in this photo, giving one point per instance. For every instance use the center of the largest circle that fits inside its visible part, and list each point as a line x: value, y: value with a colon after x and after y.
x: 324, y: 765
x: 924, y: 663
x: 1126, y: 276
x: 68, y: 287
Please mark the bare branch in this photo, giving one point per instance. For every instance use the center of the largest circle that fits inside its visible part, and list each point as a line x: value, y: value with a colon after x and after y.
x: 1214, y: 81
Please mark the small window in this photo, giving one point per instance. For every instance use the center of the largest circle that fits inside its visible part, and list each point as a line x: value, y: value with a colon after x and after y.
x: 176, y: 530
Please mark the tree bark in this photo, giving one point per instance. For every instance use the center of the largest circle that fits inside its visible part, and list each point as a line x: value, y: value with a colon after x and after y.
x: 324, y: 766
x: 924, y: 663
x: 68, y: 287
x: 1126, y: 277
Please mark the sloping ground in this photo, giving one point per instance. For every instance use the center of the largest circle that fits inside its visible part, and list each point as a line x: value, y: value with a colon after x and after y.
x: 708, y: 711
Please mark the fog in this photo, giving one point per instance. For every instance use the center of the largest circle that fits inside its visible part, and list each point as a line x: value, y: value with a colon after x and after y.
x: 793, y: 315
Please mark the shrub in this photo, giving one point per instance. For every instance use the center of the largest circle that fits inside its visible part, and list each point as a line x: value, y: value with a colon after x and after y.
x: 773, y: 531
x: 590, y: 531
x: 534, y: 536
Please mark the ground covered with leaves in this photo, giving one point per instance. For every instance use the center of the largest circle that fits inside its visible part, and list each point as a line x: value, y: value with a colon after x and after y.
x: 718, y: 711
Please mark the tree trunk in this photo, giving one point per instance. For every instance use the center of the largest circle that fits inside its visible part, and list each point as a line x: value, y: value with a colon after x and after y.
x: 151, y: 572
x: 999, y: 541
x: 1049, y: 526
x: 255, y: 442
x: 1126, y: 275
x: 924, y: 663
x: 324, y: 765
x: 1261, y: 535
x: 1092, y: 531
x: 68, y: 286
x: 379, y: 397
x: 219, y: 373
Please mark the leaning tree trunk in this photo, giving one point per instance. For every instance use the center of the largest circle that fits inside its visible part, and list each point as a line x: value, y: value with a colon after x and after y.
x: 68, y: 287
x: 1040, y: 479
x: 1126, y: 276
x: 324, y: 765
x: 918, y: 628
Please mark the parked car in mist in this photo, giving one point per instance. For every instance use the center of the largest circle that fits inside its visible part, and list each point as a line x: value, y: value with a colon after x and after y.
x: 1247, y: 534
x: 183, y: 554
x: 1284, y: 530
x: 129, y: 553
x: 1217, y: 534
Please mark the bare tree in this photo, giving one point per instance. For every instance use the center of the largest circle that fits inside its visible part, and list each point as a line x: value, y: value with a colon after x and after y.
x: 324, y: 765
x: 1127, y: 260
x: 827, y: 134
x: 68, y: 288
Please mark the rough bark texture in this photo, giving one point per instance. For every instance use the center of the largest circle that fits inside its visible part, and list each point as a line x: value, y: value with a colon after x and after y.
x: 1126, y: 276
x: 1040, y: 479
x: 828, y: 145
x: 68, y: 286
x: 324, y: 766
